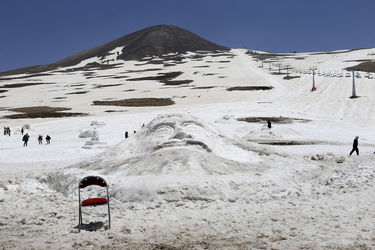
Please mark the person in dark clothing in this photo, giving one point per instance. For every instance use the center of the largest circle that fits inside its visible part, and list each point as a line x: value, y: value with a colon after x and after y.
x: 126, y: 134
x: 25, y: 138
x: 268, y: 123
x: 40, y: 139
x: 135, y: 131
x: 8, y: 131
x: 355, y: 146
x: 22, y: 131
x: 48, y: 139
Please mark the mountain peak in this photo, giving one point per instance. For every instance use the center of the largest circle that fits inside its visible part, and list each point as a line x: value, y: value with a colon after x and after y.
x: 152, y: 41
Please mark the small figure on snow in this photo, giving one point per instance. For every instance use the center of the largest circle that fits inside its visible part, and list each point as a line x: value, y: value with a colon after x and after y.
x: 48, y: 139
x: 40, y: 139
x: 355, y: 146
x: 22, y: 131
x: 25, y: 139
x: 126, y: 134
x: 8, y: 131
x: 5, y: 130
x: 268, y: 123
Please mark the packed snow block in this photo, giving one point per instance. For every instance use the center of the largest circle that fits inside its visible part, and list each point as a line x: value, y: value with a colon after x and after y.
x: 97, y: 124
x: 86, y: 134
x: 95, y: 136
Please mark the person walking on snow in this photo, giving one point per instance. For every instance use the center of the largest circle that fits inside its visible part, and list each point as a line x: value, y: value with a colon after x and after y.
x: 22, y: 130
x: 355, y: 146
x: 40, y: 139
x: 25, y: 138
x: 8, y: 131
x: 48, y: 139
x: 268, y: 123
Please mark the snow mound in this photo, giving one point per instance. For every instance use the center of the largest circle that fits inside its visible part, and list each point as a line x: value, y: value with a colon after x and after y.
x: 175, y: 156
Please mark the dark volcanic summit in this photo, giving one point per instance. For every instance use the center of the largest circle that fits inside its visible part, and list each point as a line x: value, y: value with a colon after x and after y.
x: 152, y: 41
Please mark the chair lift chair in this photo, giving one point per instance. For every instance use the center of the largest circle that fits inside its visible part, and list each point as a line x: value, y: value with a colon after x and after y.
x: 88, y: 181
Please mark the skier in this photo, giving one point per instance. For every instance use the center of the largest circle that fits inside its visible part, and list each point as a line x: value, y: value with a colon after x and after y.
x: 48, y: 139
x: 268, y: 123
x: 40, y: 139
x: 25, y: 138
x: 355, y: 146
x: 126, y: 134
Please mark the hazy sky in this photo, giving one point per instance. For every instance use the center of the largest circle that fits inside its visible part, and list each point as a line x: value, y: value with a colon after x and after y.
x: 44, y: 31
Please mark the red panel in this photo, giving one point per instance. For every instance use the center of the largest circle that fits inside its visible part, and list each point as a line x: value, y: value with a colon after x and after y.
x: 94, y: 201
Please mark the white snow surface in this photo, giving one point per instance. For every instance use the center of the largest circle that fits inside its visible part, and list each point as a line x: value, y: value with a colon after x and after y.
x: 195, y: 174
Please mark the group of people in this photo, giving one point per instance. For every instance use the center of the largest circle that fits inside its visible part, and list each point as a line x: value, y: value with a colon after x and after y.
x: 26, y: 138
x: 127, y: 134
x: 6, y: 131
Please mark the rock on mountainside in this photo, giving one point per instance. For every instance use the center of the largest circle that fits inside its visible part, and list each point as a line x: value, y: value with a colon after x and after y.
x: 152, y: 41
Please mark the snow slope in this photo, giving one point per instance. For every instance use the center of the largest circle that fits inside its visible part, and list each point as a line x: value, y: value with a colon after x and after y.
x: 196, y: 174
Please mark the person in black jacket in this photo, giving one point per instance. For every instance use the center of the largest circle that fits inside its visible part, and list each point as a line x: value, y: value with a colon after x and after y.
x: 25, y: 139
x: 268, y: 123
x: 355, y: 146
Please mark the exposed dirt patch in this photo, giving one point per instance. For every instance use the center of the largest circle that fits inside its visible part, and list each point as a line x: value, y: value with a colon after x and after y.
x: 334, y: 52
x: 204, y: 87
x: 115, y: 111
x: 129, y: 90
x: 20, y: 85
x: 165, y: 78
x: 289, y: 143
x: 137, y: 102
x: 3, y: 96
x: 77, y: 93
x: 290, y: 77
x: 60, y: 98
x: 202, y: 66
x: 365, y: 66
x: 178, y: 82
x: 78, y: 85
x: 249, y: 88
x: 3, y: 90
x: 42, y: 112
x: 159, y: 77
x: 143, y: 70
x: 106, y: 86
x: 280, y: 120
x: 23, y: 77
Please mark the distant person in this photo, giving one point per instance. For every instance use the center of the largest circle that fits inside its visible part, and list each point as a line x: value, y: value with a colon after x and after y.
x: 40, y: 139
x: 126, y: 134
x: 355, y: 146
x: 135, y: 131
x: 5, y: 130
x: 48, y: 139
x: 22, y: 131
x: 8, y: 131
x: 25, y: 139
x: 269, y: 124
